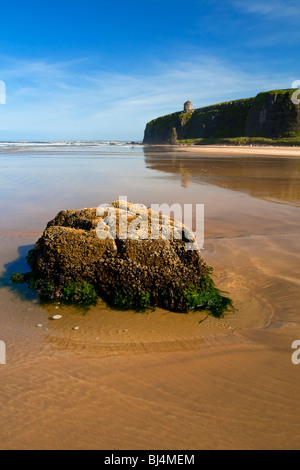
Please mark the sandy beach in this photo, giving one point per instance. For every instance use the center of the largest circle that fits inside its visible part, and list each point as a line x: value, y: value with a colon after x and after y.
x: 254, y: 150
x: 156, y: 380
x: 245, y: 150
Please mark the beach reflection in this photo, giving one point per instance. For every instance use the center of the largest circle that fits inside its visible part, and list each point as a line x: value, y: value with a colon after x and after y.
x: 271, y: 178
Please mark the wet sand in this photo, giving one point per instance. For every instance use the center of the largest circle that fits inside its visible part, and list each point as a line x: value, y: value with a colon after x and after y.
x: 156, y: 380
x: 244, y: 150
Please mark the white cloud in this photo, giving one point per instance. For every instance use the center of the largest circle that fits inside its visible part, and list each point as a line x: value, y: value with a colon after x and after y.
x: 57, y: 101
x: 278, y: 9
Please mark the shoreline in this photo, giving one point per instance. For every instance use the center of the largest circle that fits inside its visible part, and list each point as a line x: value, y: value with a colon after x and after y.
x: 255, y: 151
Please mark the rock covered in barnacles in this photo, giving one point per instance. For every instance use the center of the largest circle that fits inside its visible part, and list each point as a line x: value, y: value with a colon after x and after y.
x: 123, y: 252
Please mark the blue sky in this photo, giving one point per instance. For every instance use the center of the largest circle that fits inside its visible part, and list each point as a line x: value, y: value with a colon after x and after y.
x: 95, y: 69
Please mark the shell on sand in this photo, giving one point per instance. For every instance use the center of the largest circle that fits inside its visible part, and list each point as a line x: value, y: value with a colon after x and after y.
x: 56, y: 317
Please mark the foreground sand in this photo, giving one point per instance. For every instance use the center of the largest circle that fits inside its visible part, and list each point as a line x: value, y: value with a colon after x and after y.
x: 161, y: 380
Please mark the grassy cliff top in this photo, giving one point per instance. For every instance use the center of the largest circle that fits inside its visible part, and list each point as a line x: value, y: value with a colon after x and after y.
x: 243, y: 101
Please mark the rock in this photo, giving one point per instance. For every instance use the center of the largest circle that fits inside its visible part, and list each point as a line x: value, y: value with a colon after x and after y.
x: 56, y: 317
x: 39, y: 326
x: 108, y: 252
x: 76, y: 328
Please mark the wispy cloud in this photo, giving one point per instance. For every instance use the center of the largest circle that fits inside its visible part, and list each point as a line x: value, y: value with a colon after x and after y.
x: 272, y: 9
x: 63, y: 101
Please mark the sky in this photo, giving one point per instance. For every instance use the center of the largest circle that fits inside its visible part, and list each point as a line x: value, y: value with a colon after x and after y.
x: 99, y: 70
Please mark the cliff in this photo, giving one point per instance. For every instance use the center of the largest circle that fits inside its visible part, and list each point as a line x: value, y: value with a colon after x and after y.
x: 270, y: 114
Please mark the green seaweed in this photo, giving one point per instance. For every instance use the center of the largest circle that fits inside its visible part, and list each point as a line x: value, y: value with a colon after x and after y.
x: 72, y: 292
x: 18, y: 278
x: 208, y: 297
x: 125, y: 301
x: 205, y: 296
x: 45, y: 288
x: 80, y: 292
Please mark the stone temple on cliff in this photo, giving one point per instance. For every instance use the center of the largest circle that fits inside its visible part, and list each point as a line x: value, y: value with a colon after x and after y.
x: 188, y: 107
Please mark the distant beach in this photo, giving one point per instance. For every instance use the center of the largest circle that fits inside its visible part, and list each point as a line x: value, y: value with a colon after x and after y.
x: 255, y: 150
x: 245, y: 150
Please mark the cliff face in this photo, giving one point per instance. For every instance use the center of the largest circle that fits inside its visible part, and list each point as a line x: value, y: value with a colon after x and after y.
x: 270, y: 114
x: 273, y: 114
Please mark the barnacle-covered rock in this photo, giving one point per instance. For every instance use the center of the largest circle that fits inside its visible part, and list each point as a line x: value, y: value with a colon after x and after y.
x: 127, y: 254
